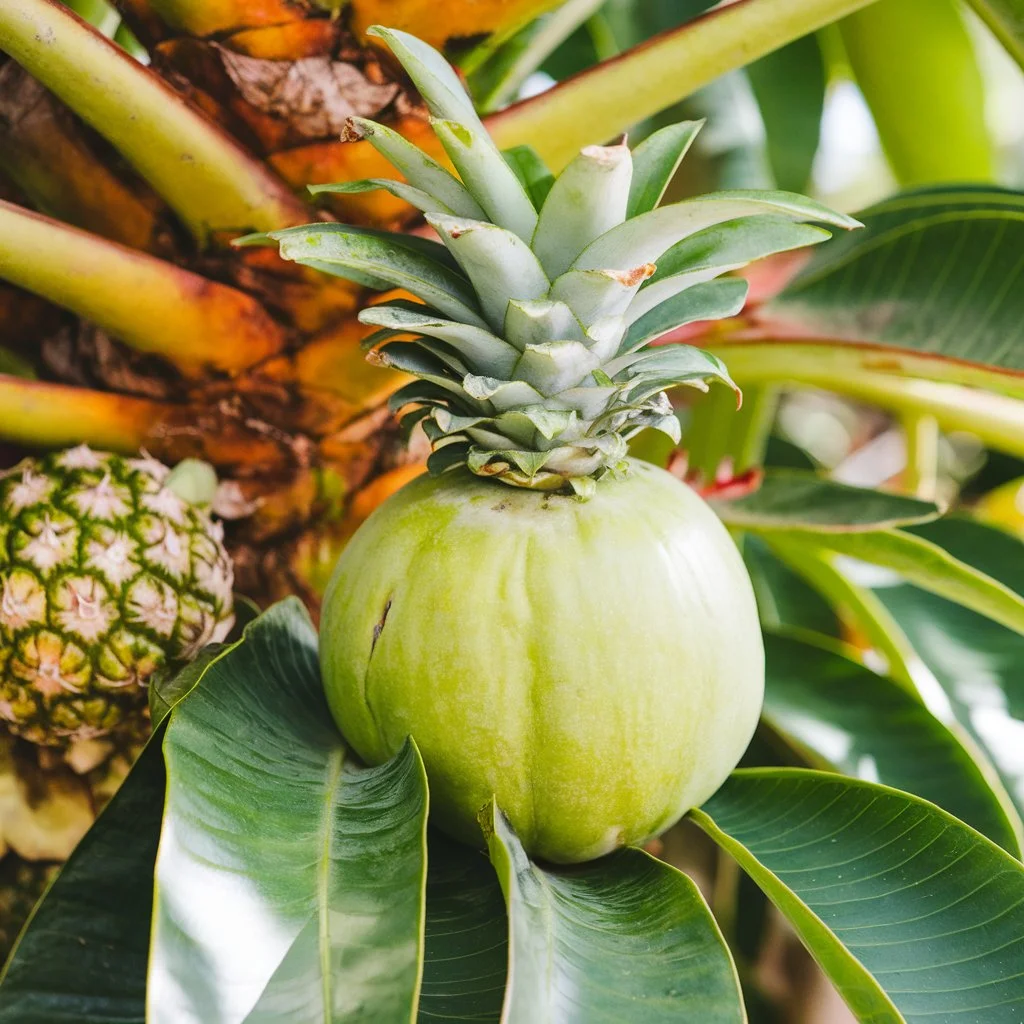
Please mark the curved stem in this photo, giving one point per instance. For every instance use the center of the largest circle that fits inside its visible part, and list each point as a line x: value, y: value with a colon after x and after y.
x: 56, y: 415
x: 204, y: 175
x: 598, y: 104
x: 148, y: 304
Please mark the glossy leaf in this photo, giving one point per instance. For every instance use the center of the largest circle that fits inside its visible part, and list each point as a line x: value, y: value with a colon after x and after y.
x: 623, y: 938
x: 795, y: 500
x: 465, y: 958
x: 655, y: 161
x: 789, y: 86
x: 928, y: 566
x: 82, y: 958
x: 930, y: 289
x: 978, y: 663
x: 868, y: 726
x: 290, y: 881
x: 913, y: 915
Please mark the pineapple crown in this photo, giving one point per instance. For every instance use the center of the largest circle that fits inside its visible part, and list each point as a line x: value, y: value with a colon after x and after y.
x: 536, y: 310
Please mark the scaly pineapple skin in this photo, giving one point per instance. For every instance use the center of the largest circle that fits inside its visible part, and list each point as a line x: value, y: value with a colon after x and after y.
x: 106, y: 576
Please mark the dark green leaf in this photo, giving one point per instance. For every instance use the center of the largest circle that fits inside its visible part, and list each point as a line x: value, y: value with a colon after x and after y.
x: 290, y: 881
x: 789, y: 85
x: 789, y: 499
x: 655, y: 161
x: 870, y: 727
x: 82, y: 958
x: 624, y: 938
x: 711, y: 300
x: 466, y: 950
x: 914, y: 916
x: 531, y: 171
x: 934, y: 280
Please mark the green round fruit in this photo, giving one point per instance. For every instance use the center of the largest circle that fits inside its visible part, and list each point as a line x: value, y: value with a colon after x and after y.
x: 597, y: 666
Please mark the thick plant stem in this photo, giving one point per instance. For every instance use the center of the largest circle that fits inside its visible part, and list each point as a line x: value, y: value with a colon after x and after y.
x: 928, y: 99
x: 41, y: 414
x: 911, y: 379
x: 202, y: 173
x: 920, y: 477
x: 150, y: 305
x: 600, y: 103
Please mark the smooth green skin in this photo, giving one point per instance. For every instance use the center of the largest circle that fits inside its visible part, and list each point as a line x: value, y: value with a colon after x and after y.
x: 596, y: 666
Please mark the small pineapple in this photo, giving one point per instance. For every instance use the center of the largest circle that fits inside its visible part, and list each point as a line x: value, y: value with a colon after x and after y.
x: 107, y: 574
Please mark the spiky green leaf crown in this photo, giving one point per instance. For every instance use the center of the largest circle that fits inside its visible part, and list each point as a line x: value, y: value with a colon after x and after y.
x: 538, y: 305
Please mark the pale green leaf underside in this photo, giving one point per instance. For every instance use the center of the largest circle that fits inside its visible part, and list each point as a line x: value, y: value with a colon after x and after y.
x: 319, y: 909
x: 914, y: 916
x: 625, y: 938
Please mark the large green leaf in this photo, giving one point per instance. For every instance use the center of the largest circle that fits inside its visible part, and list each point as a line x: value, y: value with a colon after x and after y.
x: 868, y: 726
x: 925, y: 564
x: 290, y: 882
x: 978, y: 663
x: 789, y: 85
x: 465, y: 958
x: 789, y: 499
x: 82, y: 958
x: 930, y: 288
x: 624, y: 938
x: 914, y: 916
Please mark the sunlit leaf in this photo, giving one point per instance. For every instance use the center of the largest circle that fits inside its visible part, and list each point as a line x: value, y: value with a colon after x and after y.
x: 623, y: 938
x: 289, y: 881
x: 868, y: 726
x: 914, y: 916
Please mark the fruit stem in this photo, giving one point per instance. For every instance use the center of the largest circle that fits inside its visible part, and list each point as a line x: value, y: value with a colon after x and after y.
x: 58, y: 415
x: 599, y: 103
x: 148, y: 304
x: 203, y: 174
